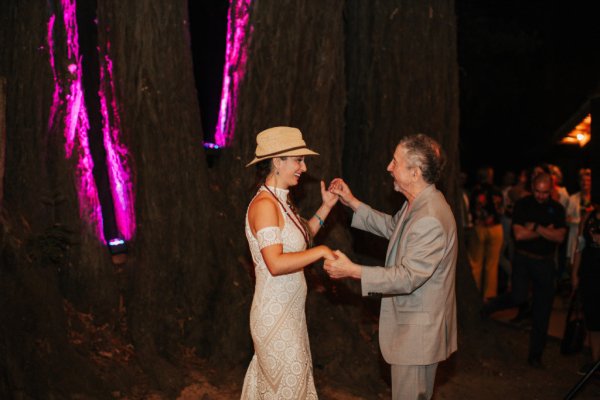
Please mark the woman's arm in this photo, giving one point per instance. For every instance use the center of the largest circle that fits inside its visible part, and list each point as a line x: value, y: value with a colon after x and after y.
x: 264, y: 213
x: 280, y: 263
x: 318, y: 219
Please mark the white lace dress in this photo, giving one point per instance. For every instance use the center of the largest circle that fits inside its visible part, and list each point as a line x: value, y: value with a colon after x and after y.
x: 281, y: 367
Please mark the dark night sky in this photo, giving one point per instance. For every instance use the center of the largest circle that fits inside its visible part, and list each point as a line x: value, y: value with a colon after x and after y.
x: 525, y: 68
x: 208, y: 31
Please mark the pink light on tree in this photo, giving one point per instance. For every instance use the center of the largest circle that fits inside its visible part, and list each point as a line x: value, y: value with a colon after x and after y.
x: 57, y: 88
x: 234, y: 69
x: 76, y: 123
x: 116, y: 155
x: 76, y: 129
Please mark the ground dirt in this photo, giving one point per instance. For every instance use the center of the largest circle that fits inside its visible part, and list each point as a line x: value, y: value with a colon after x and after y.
x: 497, y: 371
x: 489, y: 365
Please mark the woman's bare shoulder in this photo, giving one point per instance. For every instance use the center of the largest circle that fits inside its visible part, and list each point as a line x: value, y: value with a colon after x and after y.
x: 263, y: 204
x: 263, y: 211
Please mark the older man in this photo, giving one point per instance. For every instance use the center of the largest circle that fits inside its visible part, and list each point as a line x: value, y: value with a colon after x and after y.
x: 417, y: 325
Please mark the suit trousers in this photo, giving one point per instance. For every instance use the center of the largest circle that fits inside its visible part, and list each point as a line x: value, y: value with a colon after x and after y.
x: 413, y: 382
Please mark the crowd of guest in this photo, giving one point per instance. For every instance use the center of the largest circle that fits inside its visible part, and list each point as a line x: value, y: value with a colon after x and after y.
x: 540, y: 241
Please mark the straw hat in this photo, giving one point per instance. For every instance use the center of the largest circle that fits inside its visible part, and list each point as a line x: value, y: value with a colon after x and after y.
x: 280, y: 141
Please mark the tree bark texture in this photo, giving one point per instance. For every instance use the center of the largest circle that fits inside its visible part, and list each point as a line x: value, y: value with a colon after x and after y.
x: 402, y: 79
x: 354, y: 76
x: 2, y: 134
x: 173, y: 261
x: 43, y: 241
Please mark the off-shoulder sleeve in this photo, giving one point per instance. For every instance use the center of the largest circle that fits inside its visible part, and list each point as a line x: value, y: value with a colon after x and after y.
x: 268, y: 236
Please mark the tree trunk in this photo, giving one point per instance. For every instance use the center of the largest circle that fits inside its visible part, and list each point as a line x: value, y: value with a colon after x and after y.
x: 44, y: 241
x: 172, y: 262
x: 403, y: 79
x: 2, y: 135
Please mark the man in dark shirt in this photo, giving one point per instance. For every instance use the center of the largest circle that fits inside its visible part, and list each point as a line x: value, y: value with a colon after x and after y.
x: 539, y: 226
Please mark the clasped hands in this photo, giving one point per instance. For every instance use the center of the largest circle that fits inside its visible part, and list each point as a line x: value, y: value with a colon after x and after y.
x: 338, y: 265
x: 341, y: 267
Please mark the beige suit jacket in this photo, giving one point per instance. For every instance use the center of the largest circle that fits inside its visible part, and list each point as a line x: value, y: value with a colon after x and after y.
x: 417, y: 323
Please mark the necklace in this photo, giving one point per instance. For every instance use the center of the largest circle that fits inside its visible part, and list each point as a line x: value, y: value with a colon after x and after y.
x: 294, y: 216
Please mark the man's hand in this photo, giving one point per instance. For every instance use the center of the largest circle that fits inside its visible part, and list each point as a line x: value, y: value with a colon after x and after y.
x: 342, y: 267
x: 340, y: 188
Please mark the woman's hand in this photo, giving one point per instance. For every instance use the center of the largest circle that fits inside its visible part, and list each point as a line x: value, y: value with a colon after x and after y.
x: 328, y: 254
x: 329, y: 199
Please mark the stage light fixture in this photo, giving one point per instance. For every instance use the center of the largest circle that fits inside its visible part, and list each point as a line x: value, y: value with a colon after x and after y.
x: 117, y: 246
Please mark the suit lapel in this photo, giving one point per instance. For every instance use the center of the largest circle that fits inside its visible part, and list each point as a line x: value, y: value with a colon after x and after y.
x: 393, y: 243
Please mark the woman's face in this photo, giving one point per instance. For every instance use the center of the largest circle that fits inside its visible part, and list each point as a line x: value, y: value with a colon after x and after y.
x: 290, y: 169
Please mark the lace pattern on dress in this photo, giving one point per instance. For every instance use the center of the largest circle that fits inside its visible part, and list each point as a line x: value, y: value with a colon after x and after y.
x: 281, y: 368
x: 268, y: 236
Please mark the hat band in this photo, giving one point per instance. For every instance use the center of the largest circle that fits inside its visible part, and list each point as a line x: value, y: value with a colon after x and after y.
x: 280, y: 152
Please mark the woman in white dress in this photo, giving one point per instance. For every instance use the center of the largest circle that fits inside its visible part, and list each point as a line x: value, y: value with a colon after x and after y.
x: 279, y: 241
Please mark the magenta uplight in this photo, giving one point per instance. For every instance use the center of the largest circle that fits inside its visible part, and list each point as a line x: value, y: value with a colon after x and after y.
x: 68, y: 93
x: 117, y: 154
x: 57, y: 88
x: 234, y: 69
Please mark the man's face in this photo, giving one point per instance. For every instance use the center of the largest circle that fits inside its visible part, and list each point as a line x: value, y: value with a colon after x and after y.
x: 541, y: 190
x: 403, y: 174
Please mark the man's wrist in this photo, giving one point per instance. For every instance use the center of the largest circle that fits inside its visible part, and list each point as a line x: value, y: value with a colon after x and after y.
x: 354, y: 204
x: 357, y: 272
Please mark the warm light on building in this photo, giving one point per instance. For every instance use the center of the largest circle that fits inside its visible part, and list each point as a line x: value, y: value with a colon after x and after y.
x: 581, y: 134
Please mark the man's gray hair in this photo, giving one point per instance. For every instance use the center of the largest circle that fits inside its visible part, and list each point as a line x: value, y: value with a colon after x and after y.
x: 425, y: 153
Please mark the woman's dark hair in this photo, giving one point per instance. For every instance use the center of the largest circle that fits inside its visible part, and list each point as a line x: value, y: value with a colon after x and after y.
x: 263, y: 169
